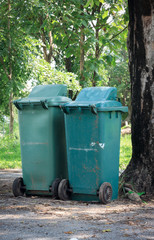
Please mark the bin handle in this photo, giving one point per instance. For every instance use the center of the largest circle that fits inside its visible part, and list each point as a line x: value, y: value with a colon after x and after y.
x: 44, y: 104
x: 18, y: 106
x: 93, y: 109
x: 64, y: 109
x: 118, y: 99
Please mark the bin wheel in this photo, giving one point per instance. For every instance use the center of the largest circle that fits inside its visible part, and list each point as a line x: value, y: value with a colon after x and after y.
x: 18, y: 187
x: 105, y: 193
x: 54, y: 189
x: 63, y: 190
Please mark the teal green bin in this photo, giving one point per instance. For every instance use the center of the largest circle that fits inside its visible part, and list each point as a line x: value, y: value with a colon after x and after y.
x: 93, y: 124
x: 42, y: 140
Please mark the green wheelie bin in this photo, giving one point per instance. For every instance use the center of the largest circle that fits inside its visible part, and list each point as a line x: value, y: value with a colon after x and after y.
x: 42, y: 141
x: 93, y: 124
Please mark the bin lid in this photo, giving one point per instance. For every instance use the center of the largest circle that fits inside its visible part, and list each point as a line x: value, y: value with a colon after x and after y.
x: 97, y: 94
x: 49, y: 90
x: 103, y: 98
x: 45, y: 95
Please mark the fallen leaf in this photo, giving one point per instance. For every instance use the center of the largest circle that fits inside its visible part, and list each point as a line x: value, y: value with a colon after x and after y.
x: 106, y: 230
x: 69, y: 232
x: 131, y: 223
x: 126, y: 235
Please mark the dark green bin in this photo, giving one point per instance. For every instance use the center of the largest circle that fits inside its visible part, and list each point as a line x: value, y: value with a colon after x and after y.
x: 42, y: 140
x: 93, y: 124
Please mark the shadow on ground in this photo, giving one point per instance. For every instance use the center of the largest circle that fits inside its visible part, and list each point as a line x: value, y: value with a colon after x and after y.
x: 46, y: 218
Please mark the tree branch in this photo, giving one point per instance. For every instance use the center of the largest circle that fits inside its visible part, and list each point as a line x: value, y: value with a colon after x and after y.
x: 4, y: 67
x: 51, y: 46
x: 43, y: 39
x: 114, y: 36
x: 100, y: 50
x: 93, y: 24
x: 9, y: 43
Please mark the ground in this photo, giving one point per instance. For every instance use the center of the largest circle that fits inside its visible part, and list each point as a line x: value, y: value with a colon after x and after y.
x: 46, y: 218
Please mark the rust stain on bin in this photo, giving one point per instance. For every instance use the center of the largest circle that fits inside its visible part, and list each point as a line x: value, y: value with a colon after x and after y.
x: 87, y: 169
x: 97, y: 171
x: 96, y: 122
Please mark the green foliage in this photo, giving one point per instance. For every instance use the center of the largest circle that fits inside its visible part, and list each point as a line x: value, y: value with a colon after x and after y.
x: 45, y: 46
x: 43, y: 73
x: 125, y: 151
x: 102, y: 22
x: 118, y: 76
x: 16, y: 49
x: 10, y: 153
x: 10, y: 156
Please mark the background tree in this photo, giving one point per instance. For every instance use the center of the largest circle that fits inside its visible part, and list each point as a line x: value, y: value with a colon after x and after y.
x: 21, y: 49
x: 74, y: 33
x: 41, y: 40
x: 118, y: 76
x: 14, y: 57
x: 140, y: 170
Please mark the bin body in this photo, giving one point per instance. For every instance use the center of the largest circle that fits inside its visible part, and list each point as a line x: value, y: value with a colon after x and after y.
x: 42, y: 137
x: 93, y: 142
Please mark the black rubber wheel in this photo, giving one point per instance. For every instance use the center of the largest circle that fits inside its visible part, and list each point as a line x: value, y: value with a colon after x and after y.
x: 18, y: 187
x: 105, y: 193
x: 54, y: 188
x: 63, y: 190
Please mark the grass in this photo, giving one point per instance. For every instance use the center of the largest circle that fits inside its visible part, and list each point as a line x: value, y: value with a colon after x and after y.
x: 10, y: 152
x: 125, y: 151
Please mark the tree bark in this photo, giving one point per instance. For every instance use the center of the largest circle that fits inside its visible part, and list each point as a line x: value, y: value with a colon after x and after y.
x: 11, y: 113
x: 140, y: 170
x: 82, y: 52
x: 68, y: 64
x: 82, y: 38
x: 9, y: 75
x: 47, y: 54
x: 96, y: 56
x: 97, y: 46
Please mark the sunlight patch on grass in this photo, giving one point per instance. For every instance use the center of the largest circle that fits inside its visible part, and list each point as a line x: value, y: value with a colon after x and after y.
x: 125, y: 151
x: 10, y: 156
x: 10, y: 153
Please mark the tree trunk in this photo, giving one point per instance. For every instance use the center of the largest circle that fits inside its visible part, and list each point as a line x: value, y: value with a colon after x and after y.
x: 97, y: 46
x: 68, y: 64
x: 140, y: 170
x: 82, y: 52
x: 48, y: 54
x: 10, y: 70
x: 96, y: 54
x: 11, y: 113
x: 82, y: 38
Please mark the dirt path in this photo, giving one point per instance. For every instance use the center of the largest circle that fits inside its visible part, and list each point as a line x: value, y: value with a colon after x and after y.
x: 45, y: 218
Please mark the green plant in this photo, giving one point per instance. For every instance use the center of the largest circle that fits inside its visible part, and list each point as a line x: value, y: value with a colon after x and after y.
x: 10, y: 156
x: 125, y: 151
x: 10, y: 152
